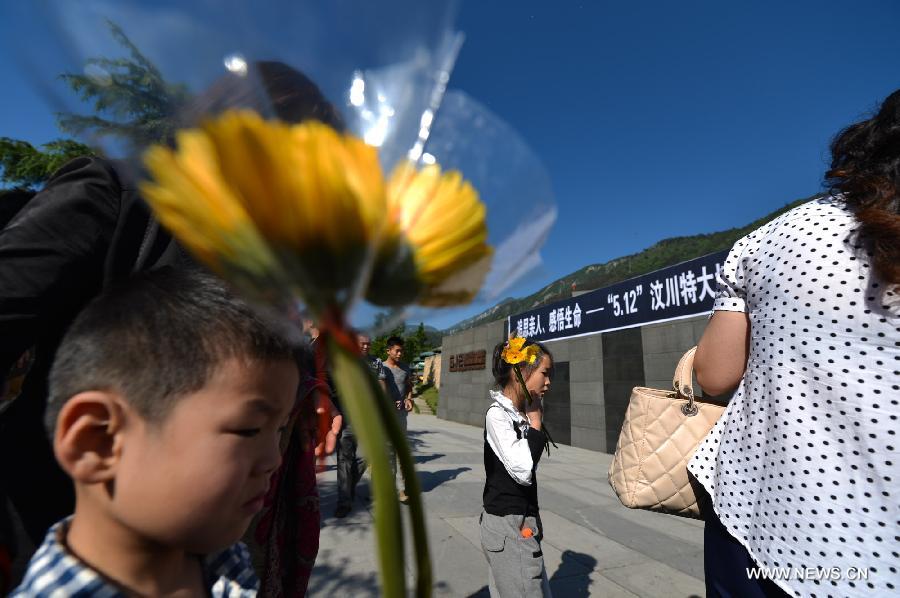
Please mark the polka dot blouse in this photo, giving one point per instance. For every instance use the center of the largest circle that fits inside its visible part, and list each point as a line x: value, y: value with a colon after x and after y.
x: 803, y: 465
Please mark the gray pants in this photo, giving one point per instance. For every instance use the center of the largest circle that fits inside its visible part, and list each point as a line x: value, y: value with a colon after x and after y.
x: 515, y: 564
x: 393, y: 454
x: 349, y: 467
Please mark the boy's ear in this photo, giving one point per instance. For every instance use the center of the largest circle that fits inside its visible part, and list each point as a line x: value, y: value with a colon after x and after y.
x: 88, y: 440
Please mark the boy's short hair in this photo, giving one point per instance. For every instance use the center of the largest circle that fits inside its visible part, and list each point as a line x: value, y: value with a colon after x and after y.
x: 394, y: 341
x: 156, y: 338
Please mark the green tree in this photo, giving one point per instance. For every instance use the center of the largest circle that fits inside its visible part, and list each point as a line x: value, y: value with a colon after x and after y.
x: 27, y: 166
x: 131, y: 99
x: 378, y: 348
x: 416, y: 343
x: 413, y: 344
x: 131, y: 102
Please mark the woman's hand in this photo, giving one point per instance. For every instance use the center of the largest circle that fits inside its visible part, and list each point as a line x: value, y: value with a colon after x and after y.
x: 534, y: 411
x: 326, y: 445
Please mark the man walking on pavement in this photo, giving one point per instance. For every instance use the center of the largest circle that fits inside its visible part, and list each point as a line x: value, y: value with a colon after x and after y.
x: 350, y: 467
x: 398, y: 378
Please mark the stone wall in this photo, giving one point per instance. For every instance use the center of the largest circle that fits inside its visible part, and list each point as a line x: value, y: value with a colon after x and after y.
x: 593, y: 379
x: 464, y: 395
x: 432, y: 373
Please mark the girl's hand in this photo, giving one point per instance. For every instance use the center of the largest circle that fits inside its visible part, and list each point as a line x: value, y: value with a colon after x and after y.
x: 319, y: 422
x: 534, y: 411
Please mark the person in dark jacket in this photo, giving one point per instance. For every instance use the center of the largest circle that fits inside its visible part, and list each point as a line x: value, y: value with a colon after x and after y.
x: 86, y: 228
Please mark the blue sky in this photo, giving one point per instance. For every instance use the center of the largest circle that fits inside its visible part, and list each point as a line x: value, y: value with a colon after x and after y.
x: 653, y: 119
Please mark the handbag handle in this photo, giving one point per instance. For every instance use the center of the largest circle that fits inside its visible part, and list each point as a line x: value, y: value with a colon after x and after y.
x: 682, y: 384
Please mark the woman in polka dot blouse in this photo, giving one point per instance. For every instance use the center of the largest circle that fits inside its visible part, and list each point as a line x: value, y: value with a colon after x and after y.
x: 802, y: 468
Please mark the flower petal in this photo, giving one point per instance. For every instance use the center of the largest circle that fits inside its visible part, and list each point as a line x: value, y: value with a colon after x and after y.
x: 244, y: 193
x: 441, y: 219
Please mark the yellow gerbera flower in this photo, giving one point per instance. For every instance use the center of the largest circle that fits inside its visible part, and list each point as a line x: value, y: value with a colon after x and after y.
x: 531, y: 353
x: 315, y: 196
x: 434, y: 249
x: 516, y: 343
x: 215, y: 228
x: 514, y: 353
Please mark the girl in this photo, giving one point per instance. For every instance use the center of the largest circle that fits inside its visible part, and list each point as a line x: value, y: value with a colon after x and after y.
x: 511, y: 529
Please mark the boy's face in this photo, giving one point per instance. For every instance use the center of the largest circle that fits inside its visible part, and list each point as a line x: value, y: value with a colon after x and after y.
x: 395, y: 352
x: 196, y: 479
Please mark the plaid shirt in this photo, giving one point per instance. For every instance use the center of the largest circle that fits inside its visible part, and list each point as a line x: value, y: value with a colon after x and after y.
x: 377, y: 367
x: 55, y: 572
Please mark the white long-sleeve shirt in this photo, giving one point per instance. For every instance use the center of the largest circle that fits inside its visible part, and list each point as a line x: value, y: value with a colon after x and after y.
x: 512, y: 449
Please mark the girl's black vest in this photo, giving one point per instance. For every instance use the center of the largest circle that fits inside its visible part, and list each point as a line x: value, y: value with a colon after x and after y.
x: 502, y: 494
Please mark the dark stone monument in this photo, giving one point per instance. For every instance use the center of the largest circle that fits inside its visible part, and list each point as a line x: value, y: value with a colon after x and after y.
x: 558, y: 405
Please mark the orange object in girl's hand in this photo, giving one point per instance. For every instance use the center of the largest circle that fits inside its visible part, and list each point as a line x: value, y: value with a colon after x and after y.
x: 527, y: 532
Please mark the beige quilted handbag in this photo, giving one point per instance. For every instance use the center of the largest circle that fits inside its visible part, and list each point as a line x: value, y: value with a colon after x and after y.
x: 662, y: 429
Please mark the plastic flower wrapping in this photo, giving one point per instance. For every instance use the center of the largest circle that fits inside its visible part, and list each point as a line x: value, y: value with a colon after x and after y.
x: 312, y: 155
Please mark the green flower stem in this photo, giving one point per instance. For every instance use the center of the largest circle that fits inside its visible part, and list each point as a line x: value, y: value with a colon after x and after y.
x: 522, y: 382
x: 352, y: 381
x: 413, y: 489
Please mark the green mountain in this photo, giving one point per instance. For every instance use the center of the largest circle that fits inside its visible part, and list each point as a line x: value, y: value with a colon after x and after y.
x: 667, y: 252
x: 433, y: 336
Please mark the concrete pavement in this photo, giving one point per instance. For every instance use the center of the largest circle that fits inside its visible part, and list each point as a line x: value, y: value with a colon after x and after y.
x: 593, y: 545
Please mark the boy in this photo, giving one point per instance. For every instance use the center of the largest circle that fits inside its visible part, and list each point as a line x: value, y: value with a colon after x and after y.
x: 168, y: 398
x: 398, y: 381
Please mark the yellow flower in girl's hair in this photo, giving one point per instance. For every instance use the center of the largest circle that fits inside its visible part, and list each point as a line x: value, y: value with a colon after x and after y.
x: 516, y: 343
x: 309, y: 198
x: 434, y: 250
x: 531, y: 353
x: 514, y: 353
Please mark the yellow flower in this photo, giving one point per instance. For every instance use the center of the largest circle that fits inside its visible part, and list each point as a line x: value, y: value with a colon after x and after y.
x: 193, y: 202
x: 310, y: 198
x: 513, y: 357
x: 531, y: 353
x: 514, y: 352
x: 434, y: 250
x: 516, y: 343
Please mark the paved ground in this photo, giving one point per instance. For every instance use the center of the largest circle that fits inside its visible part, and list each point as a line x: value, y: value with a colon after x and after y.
x: 593, y: 546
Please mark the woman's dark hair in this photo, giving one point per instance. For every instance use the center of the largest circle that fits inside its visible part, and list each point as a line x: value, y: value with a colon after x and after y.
x: 865, y: 167
x: 271, y: 88
x: 503, y: 372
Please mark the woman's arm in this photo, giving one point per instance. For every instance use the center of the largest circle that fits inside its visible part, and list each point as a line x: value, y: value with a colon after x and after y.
x: 512, y: 449
x: 722, y: 352
x: 721, y: 356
